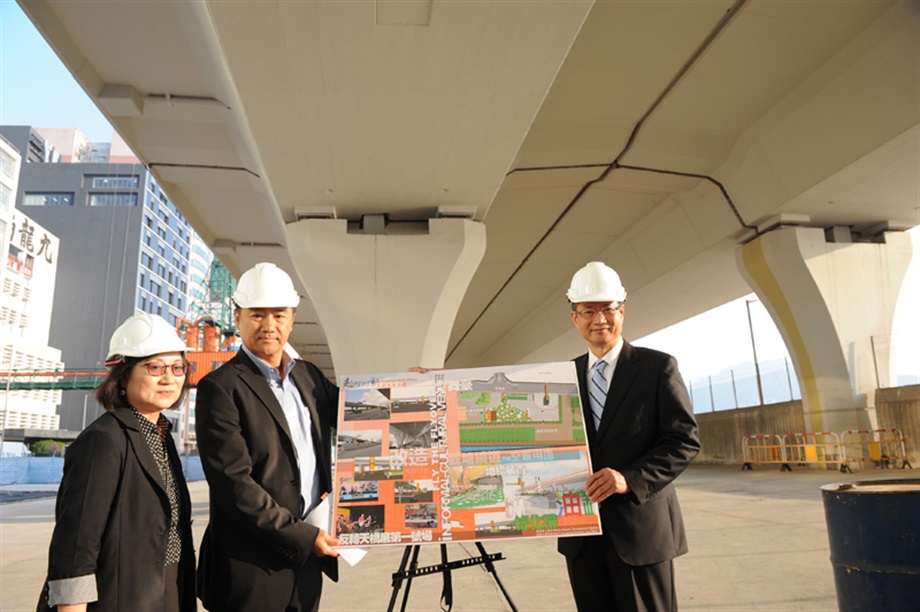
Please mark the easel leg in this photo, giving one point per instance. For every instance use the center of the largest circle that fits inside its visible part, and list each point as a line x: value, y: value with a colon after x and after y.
x: 447, y: 591
x: 413, y: 565
x: 491, y: 568
x: 397, y: 577
x: 408, y: 569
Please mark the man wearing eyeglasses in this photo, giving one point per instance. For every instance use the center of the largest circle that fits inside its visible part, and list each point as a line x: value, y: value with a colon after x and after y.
x: 641, y: 435
x: 264, y: 426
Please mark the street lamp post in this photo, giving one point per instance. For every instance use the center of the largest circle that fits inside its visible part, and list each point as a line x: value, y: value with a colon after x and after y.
x: 747, y: 303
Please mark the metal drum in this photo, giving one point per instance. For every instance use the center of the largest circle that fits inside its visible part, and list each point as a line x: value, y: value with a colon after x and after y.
x: 874, y: 533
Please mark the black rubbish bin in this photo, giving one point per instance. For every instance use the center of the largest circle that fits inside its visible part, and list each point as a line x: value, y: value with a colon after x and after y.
x: 874, y: 533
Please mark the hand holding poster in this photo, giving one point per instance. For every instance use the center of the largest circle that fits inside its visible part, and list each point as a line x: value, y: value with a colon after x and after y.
x: 460, y: 455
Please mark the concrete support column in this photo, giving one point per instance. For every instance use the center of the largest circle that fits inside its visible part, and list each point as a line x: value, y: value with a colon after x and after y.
x: 833, y: 303
x: 387, y: 301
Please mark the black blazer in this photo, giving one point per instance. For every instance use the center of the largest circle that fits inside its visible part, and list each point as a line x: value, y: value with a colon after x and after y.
x: 256, y: 542
x: 112, y: 518
x: 648, y: 433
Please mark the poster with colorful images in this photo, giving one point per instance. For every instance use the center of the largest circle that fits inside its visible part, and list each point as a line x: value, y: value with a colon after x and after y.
x: 460, y: 455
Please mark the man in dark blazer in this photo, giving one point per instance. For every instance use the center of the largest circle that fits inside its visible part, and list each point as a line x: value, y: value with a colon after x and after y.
x: 642, y: 435
x: 265, y: 423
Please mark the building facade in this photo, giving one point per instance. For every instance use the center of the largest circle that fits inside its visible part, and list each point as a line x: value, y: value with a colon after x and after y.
x: 124, y: 247
x: 27, y: 288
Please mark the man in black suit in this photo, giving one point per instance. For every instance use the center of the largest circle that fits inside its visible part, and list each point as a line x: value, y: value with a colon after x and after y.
x: 264, y: 423
x: 642, y: 435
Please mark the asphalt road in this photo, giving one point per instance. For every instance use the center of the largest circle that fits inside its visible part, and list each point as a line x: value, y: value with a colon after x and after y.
x: 758, y: 541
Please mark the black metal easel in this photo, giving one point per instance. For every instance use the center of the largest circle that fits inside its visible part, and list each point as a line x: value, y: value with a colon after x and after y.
x: 409, y: 569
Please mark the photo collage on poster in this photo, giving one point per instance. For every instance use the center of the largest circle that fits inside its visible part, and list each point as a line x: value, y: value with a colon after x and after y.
x: 461, y: 455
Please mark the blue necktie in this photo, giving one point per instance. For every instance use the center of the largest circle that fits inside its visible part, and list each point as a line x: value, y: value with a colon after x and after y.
x: 597, y: 392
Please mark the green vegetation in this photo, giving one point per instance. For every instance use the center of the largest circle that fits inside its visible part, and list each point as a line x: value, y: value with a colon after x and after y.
x: 537, y: 522
x: 48, y: 448
x: 507, y: 413
x: 504, y: 434
x: 478, y: 498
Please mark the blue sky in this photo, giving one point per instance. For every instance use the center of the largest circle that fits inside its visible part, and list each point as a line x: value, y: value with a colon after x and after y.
x: 36, y: 89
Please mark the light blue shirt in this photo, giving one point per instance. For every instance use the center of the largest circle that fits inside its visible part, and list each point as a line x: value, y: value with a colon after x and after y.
x: 300, y: 424
x: 611, y: 357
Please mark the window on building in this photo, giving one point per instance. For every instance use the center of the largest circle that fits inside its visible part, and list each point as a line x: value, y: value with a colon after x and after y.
x: 6, y: 197
x: 142, y: 303
x: 113, y: 199
x: 171, y: 298
x: 7, y: 165
x: 114, y: 182
x: 161, y: 270
x: 147, y: 261
x: 48, y: 199
x: 148, y: 221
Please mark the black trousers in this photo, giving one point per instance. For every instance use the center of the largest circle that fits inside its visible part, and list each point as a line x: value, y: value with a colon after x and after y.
x: 602, y: 581
x: 309, y: 587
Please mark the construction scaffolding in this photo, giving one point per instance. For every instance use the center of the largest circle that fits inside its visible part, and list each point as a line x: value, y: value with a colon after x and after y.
x: 209, y: 325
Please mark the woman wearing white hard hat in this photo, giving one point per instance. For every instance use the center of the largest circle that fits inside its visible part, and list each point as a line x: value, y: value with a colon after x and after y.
x: 122, y: 538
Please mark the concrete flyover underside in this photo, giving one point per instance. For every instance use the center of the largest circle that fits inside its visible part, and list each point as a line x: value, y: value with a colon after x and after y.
x: 656, y: 136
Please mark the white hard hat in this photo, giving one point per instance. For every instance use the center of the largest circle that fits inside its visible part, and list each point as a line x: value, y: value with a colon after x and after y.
x: 596, y: 282
x: 143, y: 335
x: 265, y: 285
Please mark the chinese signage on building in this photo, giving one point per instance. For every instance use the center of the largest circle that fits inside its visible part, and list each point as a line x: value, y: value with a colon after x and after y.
x: 29, y: 276
x: 28, y: 242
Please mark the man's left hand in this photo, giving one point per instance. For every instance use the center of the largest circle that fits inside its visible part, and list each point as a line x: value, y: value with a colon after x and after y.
x: 324, y: 545
x: 604, y: 483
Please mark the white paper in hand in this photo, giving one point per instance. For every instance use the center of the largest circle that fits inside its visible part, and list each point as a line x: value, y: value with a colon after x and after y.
x: 321, y: 517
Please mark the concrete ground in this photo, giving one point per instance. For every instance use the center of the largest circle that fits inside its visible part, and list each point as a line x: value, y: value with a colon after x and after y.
x: 757, y: 542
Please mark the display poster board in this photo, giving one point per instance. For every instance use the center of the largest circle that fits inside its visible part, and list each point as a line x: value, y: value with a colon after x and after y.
x: 461, y: 455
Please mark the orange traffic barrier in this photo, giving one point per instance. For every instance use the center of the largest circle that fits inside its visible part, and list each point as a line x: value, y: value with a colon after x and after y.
x: 765, y: 448
x: 819, y: 448
x: 882, y: 448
